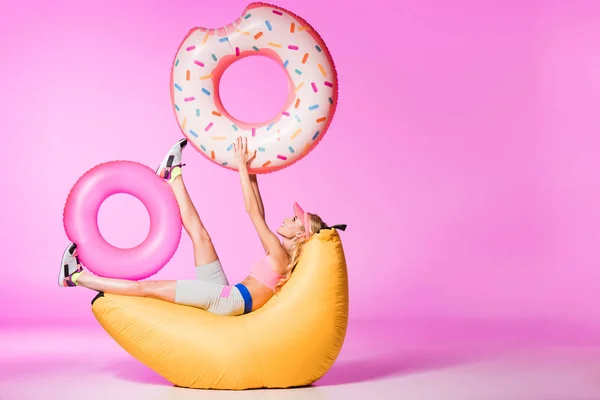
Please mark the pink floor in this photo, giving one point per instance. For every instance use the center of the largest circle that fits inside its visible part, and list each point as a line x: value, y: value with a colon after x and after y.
x: 420, y: 360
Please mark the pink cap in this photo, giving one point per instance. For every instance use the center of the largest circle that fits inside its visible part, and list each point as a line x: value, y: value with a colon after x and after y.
x: 303, y: 217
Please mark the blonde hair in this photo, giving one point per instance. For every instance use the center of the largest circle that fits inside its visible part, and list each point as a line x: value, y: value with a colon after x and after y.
x: 316, y: 224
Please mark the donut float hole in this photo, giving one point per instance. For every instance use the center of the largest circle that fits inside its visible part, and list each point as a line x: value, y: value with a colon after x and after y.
x: 254, y: 89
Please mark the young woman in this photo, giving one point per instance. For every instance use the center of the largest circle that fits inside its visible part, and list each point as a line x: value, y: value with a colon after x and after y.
x: 211, y: 290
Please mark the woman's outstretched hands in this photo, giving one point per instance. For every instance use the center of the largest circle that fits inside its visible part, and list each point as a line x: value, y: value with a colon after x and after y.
x: 241, y: 153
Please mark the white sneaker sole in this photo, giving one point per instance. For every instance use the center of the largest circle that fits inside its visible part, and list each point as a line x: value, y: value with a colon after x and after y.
x: 64, y: 270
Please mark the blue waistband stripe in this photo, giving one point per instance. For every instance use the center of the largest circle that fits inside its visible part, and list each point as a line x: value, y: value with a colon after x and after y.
x: 246, y: 296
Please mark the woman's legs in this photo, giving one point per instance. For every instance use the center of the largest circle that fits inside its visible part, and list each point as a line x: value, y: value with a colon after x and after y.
x: 163, y: 290
x: 204, y: 250
x: 209, y: 296
x: 170, y: 168
x: 206, y: 294
x: 72, y: 274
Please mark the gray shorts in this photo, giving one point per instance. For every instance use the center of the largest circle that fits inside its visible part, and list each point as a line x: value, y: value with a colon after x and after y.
x: 210, y: 291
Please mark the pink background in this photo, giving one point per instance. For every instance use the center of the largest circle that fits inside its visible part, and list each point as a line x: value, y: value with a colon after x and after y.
x: 463, y: 155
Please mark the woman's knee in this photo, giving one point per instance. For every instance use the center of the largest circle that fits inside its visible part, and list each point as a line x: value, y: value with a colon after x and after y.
x: 164, y: 290
x: 201, y: 237
x: 148, y: 288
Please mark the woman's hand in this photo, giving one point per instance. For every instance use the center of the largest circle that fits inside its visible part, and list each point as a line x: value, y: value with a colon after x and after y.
x: 242, y: 158
x: 241, y: 154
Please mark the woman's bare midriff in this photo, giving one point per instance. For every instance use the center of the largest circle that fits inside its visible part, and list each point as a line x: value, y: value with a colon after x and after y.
x: 260, y: 293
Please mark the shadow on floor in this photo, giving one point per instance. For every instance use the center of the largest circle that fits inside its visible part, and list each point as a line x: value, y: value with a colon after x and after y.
x: 342, y: 372
x: 399, y: 363
x: 133, y: 370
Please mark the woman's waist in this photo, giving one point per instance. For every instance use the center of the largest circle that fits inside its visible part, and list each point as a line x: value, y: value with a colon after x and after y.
x: 259, y: 292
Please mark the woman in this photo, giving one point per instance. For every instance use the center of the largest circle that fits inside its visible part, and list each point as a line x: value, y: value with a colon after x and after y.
x: 211, y: 290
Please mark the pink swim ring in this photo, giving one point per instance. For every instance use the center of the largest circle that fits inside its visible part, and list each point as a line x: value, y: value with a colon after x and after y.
x: 80, y: 220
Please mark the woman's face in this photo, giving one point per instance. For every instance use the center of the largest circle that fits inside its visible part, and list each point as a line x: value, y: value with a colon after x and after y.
x: 290, y: 228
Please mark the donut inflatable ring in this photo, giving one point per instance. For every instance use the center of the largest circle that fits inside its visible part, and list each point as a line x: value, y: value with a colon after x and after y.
x: 263, y: 30
x: 80, y: 220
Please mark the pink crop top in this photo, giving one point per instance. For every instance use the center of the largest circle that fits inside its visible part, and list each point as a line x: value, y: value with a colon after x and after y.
x: 263, y: 272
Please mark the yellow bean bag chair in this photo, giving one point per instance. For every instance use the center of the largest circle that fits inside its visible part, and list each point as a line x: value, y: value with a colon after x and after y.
x: 291, y: 341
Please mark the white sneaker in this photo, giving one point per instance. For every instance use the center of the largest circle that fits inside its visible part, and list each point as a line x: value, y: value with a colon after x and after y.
x: 172, y: 159
x: 69, y: 265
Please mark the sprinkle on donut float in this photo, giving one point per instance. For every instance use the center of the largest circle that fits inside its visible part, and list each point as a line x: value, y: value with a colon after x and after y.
x: 263, y: 30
